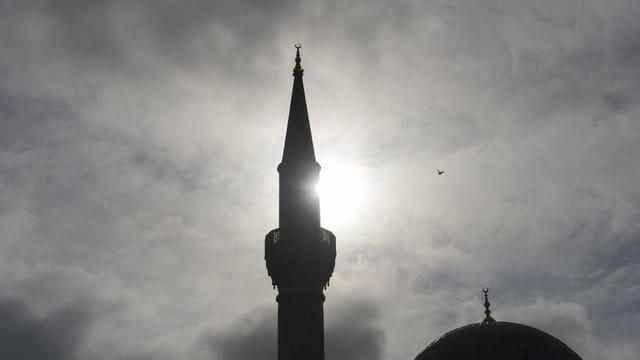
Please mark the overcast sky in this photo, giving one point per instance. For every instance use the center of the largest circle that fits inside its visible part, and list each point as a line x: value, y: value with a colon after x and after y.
x: 138, y: 150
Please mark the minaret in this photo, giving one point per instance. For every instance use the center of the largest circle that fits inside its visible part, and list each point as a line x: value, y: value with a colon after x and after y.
x: 300, y: 255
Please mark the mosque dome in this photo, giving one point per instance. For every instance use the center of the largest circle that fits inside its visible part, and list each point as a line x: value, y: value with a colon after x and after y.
x: 497, y: 340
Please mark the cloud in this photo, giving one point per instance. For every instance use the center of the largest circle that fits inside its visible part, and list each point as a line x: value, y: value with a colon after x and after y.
x: 119, y: 37
x: 352, y: 333
x: 253, y: 336
x: 138, y: 146
x: 569, y: 322
x: 56, y: 336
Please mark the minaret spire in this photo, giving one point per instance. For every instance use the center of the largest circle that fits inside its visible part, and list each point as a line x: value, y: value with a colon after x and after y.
x: 298, y: 143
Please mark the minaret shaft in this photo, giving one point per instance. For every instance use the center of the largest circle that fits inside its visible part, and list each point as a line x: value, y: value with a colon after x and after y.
x: 299, y: 201
x: 301, y: 327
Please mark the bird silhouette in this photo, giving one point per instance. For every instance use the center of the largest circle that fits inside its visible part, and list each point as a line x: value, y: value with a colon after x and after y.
x: 440, y: 172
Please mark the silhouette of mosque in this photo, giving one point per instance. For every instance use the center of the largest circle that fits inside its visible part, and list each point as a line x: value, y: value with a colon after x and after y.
x: 300, y: 257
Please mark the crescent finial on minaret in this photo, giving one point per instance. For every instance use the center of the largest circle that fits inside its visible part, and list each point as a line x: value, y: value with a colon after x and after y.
x: 297, y: 70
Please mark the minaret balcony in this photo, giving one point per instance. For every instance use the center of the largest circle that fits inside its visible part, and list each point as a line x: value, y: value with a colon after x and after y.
x: 311, y: 262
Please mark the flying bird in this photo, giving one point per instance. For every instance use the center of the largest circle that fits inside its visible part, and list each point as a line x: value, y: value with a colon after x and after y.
x: 440, y: 172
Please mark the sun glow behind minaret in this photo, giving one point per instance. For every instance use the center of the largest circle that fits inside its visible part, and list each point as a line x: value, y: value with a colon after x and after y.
x: 341, y: 189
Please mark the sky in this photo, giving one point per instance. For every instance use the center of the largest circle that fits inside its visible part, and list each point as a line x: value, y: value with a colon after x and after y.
x: 138, y: 150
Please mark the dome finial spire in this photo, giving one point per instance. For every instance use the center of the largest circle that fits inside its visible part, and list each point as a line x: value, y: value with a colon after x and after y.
x: 297, y: 71
x: 487, y: 312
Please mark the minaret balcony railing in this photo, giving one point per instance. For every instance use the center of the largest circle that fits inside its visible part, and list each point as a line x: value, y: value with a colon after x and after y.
x: 275, y: 256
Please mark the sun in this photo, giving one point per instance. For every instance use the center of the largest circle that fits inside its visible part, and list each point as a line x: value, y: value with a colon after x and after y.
x: 341, y: 189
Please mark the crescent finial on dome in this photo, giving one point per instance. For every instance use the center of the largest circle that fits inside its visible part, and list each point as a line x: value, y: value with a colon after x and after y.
x: 487, y: 311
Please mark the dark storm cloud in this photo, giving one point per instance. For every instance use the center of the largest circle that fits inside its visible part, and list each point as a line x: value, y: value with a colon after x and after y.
x: 27, y: 336
x: 352, y: 333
